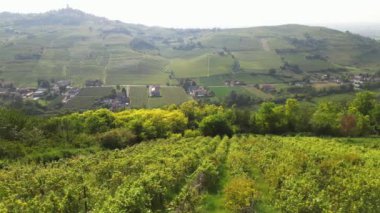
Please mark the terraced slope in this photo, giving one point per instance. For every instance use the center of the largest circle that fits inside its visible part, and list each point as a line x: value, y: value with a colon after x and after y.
x: 69, y: 44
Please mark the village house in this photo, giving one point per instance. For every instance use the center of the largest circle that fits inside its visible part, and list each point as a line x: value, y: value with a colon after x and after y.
x: 267, y: 88
x: 70, y: 93
x: 40, y: 92
x: 197, y: 91
x: 154, y: 91
x: 26, y: 92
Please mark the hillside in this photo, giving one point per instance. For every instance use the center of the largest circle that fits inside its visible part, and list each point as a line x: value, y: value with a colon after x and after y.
x: 70, y: 44
x: 194, y: 158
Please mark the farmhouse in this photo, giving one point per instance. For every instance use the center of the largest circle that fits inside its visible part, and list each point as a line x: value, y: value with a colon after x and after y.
x: 197, y: 91
x: 267, y: 88
x: 40, y: 92
x: 154, y: 91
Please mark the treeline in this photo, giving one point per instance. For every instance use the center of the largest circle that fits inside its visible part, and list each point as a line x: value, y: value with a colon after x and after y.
x: 112, y: 130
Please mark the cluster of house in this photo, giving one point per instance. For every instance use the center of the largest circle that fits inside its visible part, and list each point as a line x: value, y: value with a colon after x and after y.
x: 54, y: 88
x: 198, y: 91
x: 7, y: 89
x: 119, y: 101
x: 359, y: 80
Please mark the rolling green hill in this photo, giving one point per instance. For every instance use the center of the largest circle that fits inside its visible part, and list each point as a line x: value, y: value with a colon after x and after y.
x: 70, y: 44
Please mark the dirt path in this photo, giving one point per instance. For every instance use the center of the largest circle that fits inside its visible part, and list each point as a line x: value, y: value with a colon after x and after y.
x: 104, y: 74
x: 264, y: 44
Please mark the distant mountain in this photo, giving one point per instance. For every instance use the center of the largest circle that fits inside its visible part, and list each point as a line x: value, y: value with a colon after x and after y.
x: 365, y: 29
x: 70, y: 44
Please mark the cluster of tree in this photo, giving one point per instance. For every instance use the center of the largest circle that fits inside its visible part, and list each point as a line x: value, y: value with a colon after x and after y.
x: 311, y: 91
x: 120, y: 129
x: 317, y: 57
x: 309, y: 43
x: 239, y: 100
x: 360, y: 117
x: 141, y: 45
x: 188, y: 46
x: 291, y: 67
x: 236, y: 66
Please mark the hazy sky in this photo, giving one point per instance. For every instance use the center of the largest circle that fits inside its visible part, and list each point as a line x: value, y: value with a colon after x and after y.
x: 213, y: 13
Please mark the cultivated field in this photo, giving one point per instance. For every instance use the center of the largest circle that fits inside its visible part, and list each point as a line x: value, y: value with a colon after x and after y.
x: 202, y: 174
x: 87, y: 98
x: 169, y: 95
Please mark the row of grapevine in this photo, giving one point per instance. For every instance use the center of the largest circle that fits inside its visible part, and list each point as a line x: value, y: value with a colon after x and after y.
x: 241, y: 174
x: 308, y: 174
x: 137, y: 179
x: 204, y: 179
x: 240, y: 192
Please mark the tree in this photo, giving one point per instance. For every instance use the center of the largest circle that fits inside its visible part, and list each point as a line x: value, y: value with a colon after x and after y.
x: 353, y: 123
x: 272, y: 71
x: 325, y: 120
x: 270, y: 118
x: 375, y: 117
x: 236, y: 66
x: 11, y: 123
x: 217, y: 124
x: 364, y: 102
x: 124, y: 92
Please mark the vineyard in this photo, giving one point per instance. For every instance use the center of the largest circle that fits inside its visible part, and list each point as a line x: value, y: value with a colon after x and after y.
x: 203, y: 174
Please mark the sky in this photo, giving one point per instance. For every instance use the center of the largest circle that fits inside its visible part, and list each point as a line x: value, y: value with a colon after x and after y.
x: 213, y: 13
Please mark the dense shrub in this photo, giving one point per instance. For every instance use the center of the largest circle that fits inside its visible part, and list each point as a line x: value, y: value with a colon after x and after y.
x: 117, y: 139
x: 213, y: 125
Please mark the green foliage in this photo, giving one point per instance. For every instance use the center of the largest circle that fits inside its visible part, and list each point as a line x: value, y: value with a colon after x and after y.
x: 325, y: 119
x: 305, y: 174
x: 375, y: 117
x: 98, y: 121
x: 292, y: 174
x: 217, y: 124
x: 11, y: 122
x: 270, y: 118
x: 117, y: 139
x: 364, y: 102
x: 155, y: 123
x: 240, y: 194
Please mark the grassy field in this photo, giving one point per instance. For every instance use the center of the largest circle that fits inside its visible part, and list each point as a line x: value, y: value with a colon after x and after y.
x: 199, y: 66
x: 320, y: 86
x: 223, y: 91
x: 138, y: 96
x: 248, y: 78
x: 169, y: 95
x: 252, y: 61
